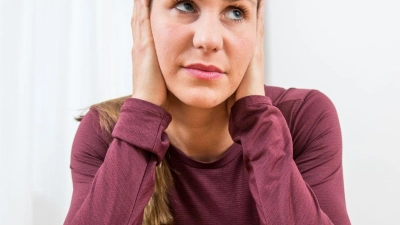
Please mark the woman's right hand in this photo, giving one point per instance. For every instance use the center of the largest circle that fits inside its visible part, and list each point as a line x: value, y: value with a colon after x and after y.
x: 147, y: 81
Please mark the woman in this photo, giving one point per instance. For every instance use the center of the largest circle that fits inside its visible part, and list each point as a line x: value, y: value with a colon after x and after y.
x: 201, y: 140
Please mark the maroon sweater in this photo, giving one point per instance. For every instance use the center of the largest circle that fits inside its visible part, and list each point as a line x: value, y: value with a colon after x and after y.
x: 284, y: 168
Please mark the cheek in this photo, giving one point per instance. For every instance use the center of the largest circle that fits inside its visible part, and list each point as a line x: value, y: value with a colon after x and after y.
x: 240, y: 54
x: 162, y: 44
x: 168, y: 45
x: 245, y: 44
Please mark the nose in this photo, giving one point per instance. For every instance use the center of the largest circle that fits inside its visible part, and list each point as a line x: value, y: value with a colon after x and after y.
x: 208, y: 33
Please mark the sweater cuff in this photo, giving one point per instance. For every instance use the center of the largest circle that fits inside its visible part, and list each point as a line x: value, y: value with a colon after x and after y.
x: 142, y: 124
x: 247, y: 107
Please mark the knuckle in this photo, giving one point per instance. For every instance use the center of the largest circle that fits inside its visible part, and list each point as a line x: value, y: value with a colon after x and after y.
x: 133, y: 51
x: 132, y: 21
x: 142, y: 20
x: 138, y: 48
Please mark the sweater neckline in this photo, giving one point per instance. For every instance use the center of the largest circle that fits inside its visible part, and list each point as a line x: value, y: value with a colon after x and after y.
x: 231, y: 153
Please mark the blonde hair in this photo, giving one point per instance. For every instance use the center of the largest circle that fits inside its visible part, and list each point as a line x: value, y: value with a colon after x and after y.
x: 157, y: 210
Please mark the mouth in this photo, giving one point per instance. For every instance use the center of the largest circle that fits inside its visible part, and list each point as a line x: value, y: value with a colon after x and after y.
x: 204, y: 72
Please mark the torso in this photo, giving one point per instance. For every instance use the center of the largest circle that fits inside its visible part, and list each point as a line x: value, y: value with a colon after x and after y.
x: 211, y: 193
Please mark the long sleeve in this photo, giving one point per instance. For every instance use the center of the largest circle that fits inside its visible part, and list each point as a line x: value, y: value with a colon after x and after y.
x: 113, y: 183
x: 279, y: 184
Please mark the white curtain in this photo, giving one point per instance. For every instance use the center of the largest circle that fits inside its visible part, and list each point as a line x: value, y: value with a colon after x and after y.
x: 57, y: 57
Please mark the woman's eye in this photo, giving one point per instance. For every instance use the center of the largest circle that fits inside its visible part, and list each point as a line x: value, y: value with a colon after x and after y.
x: 185, y: 7
x: 234, y: 14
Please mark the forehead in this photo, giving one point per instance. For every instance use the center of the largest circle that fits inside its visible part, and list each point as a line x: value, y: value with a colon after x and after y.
x: 254, y: 2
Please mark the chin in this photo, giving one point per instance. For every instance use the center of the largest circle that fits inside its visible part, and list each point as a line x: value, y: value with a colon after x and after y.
x: 201, y: 98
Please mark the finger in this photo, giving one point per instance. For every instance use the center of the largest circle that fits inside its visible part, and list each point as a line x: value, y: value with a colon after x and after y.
x: 145, y: 27
x: 260, y: 25
x: 134, y: 18
x: 136, y: 27
x: 260, y: 12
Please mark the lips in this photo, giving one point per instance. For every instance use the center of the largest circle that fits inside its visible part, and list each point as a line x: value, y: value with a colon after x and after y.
x: 204, y: 72
x: 205, y: 68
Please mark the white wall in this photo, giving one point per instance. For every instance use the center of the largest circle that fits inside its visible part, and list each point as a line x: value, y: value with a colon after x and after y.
x: 57, y: 57
x: 350, y: 50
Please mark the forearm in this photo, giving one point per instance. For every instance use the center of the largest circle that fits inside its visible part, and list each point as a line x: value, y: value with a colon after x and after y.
x: 113, y: 197
x: 125, y: 181
x: 280, y: 193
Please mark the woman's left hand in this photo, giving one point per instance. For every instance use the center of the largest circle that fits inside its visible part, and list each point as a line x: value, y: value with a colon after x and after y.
x: 253, y: 80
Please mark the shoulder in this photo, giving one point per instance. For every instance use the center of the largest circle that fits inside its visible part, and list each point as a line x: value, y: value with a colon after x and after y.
x: 309, y: 114
x: 296, y: 97
x: 291, y: 101
x: 89, y: 147
x: 107, y: 114
x: 94, y: 132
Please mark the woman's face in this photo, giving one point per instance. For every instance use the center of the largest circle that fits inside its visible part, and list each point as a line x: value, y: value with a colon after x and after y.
x: 204, y: 47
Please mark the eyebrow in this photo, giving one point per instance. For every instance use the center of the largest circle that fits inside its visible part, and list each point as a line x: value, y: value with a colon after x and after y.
x: 252, y: 1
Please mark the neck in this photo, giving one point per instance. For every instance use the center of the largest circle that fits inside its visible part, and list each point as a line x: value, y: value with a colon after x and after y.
x: 201, y: 134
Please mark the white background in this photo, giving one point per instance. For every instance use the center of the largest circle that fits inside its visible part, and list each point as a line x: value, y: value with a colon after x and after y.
x: 59, y: 57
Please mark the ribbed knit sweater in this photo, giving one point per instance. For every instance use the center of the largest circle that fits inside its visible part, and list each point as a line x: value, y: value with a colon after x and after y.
x: 285, y: 166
